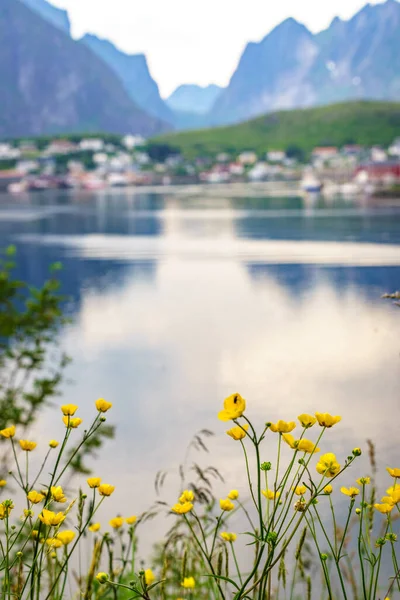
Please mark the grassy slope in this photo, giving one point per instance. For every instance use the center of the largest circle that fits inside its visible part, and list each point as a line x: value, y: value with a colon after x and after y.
x: 365, y: 123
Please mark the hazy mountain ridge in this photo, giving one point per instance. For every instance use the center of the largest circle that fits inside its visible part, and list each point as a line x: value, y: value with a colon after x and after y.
x: 291, y: 67
x: 52, y: 84
x: 56, y: 16
x: 194, y: 98
x: 133, y: 71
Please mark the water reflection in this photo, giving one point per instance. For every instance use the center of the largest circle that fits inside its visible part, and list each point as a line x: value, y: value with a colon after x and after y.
x: 178, y: 305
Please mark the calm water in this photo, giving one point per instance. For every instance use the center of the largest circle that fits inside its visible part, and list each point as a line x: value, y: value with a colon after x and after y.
x: 179, y: 300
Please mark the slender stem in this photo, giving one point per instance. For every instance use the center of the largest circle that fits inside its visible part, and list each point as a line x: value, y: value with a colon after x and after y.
x: 236, y: 563
x: 17, y: 463
x: 360, y: 540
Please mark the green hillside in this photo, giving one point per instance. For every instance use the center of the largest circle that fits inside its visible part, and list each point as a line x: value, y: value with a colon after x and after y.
x: 365, y: 123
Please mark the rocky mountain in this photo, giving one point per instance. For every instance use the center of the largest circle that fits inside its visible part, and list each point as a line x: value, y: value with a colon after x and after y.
x: 52, y: 84
x: 291, y: 67
x: 133, y: 72
x: 56, y: 16
x: 194, y: 98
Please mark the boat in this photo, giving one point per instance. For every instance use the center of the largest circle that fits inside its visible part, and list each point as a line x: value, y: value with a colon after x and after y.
x: 310, y: 183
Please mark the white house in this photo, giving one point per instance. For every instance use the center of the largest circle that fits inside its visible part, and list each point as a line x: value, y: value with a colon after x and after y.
x: 93, y: 144
x: 394, y: 149
x: 275, y: 156
x: 132, y: 141
x: 247, y: 158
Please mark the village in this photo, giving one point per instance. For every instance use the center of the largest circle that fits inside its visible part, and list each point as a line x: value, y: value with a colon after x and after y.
x: 95, y: 163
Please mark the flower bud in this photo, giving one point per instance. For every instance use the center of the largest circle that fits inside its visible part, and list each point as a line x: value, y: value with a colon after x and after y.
x: 391, y: 537
x: 266, y: 466
x: 19, y: 554
x: 380, y: 542
x: 102, y: 419
x: 358, y: 511
x: 324, y: 557
x: 357, y: 451
x: 102, y: 577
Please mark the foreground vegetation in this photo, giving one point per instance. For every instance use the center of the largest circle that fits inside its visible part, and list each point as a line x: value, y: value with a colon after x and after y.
x: 365, y: 123
x: 198, y: 558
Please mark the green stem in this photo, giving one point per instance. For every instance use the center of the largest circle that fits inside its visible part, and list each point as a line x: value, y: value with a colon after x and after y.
x: 236, y: 563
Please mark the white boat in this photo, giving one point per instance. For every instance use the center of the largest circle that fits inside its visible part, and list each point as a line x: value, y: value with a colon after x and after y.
x: 310, y: 183
x: 18, y: 187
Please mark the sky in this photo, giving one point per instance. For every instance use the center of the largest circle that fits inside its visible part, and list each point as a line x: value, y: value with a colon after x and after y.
x: 195, y: 42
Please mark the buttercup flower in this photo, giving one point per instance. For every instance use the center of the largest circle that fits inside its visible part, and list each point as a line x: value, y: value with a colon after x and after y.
x: 57, y: 494
x: 228, y: 537
x: 3, y: 482
x: 8, y: 432
x: 53, y: 443
x: 351, y: 491
x: 233, y: 495
x: 384, y: 508
x: 48, y: 517
x: 328, y: 489
x: 283, y: 426
x: 289, y: 439
x: 392, y: 472
x: 94, y: 482
x: 327, y: 420
x: 131, y: 520
x: 5, y: 509
x: 27, y: 445
x: 105, y: 489
x: 393, y: 488
x: 306, y: 446
x: 28, y: 513
x: 94, y: 527
x: 306, y: 420
x: 72, y: 423
x: 54, y: 542
x: 117, y: 522
x: 102, y: 577
x: 69, y: 409
x: 186, y: 496
x: 234, y: 407
x: 188, y: 583
x: 300, y: 490
x: 149, y: 576
x: 65, y: 537
x: 327, y: 465
x: 364, y: 480
x: 102, y: 405
x: 238, y: 433
x: 395, y: 496
x: 35, y: 497
x: 182, y: 509
x: 226, y: 504
x: 388, y: 500
x: 270, y: 494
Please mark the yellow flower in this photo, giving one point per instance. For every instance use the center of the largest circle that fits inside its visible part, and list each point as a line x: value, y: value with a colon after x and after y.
x: 186, y: 496
x: 35, y: 497
x: 306, y: 446
x: 117, y: 522
x: 327, y: 420
x: 131, y: 520
x: 34, y: 533
x: 102, y: 405
x: 392, y: 472
x: 8, y: 432
x: 233, y: 495
x: 69, y: 409
x: 306, y: 420
x: 48, y: 517
x: 188, y: 583
x: 228, y: 537
x: 94, y: 482
x: 105, y: 489
x: 226, y: 504
x: 3, y: 482
x: 94, y: 527
x: 270, y: 494
x: 327, y: 465
x: 351, y: 491
x: 72, y: 423
x: 102, y: 577
x: 300, y: 490
x: 149, y: 576
x: 54, y: 542
x: 28, y: 513
x: 182, y: 509
x: 364, y: 480
x: 388, y: 500
x: 5, y: 509
x: 289, y: 439
x: 65, y: 537
x: 393, y: 488
x: 384, y: 508
x: 283, y: 426
x: 238, y: 433
x: 395, y: 496
x: 57, y: 494
x: 53, y: 443
x: 328, y: 489
x: 234, y: 407
x: 27, y: 445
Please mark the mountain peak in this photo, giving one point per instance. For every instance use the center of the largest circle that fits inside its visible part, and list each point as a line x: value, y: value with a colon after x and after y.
x: 56, y: 16
x: 194, y: 98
